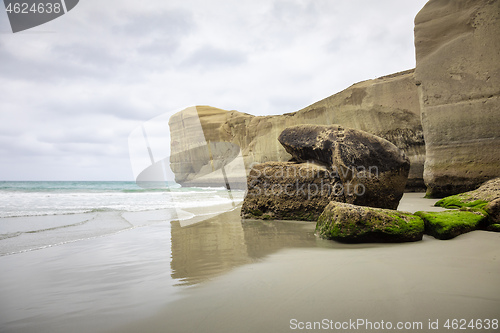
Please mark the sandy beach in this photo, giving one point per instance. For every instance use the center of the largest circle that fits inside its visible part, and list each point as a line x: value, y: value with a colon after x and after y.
x: 429, y: 280
x: 228, y: 275
x: 417, y: 285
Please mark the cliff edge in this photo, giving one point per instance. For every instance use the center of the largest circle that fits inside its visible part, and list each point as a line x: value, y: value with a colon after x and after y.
x: 458, y: 72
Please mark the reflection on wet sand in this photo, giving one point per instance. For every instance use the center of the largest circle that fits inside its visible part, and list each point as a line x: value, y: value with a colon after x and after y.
x: 204, y: 250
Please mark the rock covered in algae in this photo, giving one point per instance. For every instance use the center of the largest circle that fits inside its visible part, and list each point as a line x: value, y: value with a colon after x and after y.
x: 357, y: 224
x: 450, y: 224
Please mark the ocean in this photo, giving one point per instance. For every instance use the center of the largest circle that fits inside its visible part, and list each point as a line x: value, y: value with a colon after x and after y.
x: 84, y: 256
x: 38, y: 214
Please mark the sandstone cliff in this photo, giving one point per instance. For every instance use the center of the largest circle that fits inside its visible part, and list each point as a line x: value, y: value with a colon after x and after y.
x: 387, y: 107
x: 458, y: 71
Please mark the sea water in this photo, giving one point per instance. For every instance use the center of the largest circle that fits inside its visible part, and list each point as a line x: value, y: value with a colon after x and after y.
x: 38, y: 214
x: 82, y: 256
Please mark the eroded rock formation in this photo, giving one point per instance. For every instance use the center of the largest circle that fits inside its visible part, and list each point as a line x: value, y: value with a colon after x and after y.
x: 454, y: 93
x: 458, y: 73
x: 387, y: 107
x: 487, y: 192
x: 493, y: 210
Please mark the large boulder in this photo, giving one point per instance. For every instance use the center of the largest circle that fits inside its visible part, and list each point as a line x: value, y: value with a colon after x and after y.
x: 458, y: 74
x: 331, y: 164
x: 290, y: 191
x: 376, y: 168
x: 355, y: 224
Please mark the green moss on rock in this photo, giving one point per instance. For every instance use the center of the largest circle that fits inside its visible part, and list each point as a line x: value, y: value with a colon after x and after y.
x: 487, y: 192
x: 450, y: 224
x: 256, y: 212
x: 460, y: 200
x: 494, y: 227
x: 357, y: 224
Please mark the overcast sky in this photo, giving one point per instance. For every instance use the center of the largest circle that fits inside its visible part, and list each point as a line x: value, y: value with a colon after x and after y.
x: 73, y: 89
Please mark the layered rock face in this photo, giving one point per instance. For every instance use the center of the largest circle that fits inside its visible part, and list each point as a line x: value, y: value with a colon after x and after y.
x: 458, y: 72
x: 387, y: 107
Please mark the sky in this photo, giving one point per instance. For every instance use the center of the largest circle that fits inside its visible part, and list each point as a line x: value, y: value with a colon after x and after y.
x: 73, y: 89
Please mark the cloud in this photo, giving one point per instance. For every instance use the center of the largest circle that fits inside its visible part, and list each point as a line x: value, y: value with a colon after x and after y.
x: 209, y: 57
x: 168, y: 22
x: 74, y: 88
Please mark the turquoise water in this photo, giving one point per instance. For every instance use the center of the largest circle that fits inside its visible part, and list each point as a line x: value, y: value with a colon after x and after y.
x: 39, y: 214
x: 90, y: 186
x: 39, y: 198
x: 50, y: 186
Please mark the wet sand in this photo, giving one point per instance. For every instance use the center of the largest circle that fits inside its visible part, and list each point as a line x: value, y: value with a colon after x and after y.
x: 286, y: 287
x: 227, y: 275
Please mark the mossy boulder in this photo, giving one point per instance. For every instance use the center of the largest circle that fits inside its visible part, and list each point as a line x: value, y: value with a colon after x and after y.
x: 459, y: 201
x: 485, y: 200
x: 478, y: 198
x: 358, y: 224
x: 450, y: 224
